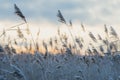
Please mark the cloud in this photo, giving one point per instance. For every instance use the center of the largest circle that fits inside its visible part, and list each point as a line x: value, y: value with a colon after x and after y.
x: 91, y: 12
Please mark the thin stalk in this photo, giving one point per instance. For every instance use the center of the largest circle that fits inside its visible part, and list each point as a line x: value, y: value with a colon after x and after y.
x: 31, y: 36
x: 71, y: 35
x: 16, y: 25
x: 12, y: 27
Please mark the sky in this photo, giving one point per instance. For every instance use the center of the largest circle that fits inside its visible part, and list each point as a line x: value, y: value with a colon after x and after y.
x: 42, y: 13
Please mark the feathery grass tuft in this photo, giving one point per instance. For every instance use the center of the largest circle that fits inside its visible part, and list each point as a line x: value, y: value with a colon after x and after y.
x: 60, y: 16
x: 19, y: 13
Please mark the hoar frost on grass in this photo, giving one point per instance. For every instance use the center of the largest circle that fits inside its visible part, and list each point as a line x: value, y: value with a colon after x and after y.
x: 69, y: 64
x: 60, y: 67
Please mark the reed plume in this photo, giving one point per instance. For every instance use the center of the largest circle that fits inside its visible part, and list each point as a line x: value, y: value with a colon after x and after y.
x: 19, y: 13
x: 15, y: 42
x: 51, y: 42
x: 106, y: 30
x: 113, y: 32
x: 62, y: 20
x: 101, y: 49
x: 70, y: 22
x: 20, y: 34
x: 92, y: 37
x: 60, y: 16
x: 38, y: 33
x: 27, y: 30
x: 79, y: 43
x: 83, y: 28
x: 46, y: 48
x: 99, y: 37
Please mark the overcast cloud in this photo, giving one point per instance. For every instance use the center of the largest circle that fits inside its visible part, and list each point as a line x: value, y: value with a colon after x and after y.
x: 91, y: 12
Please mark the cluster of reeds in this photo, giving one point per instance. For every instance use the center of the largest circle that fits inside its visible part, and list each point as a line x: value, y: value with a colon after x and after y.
x: 69, y: 51
x: 61, y: 42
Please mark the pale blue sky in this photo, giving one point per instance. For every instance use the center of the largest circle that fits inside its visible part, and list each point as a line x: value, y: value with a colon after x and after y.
x: 90, y: 12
